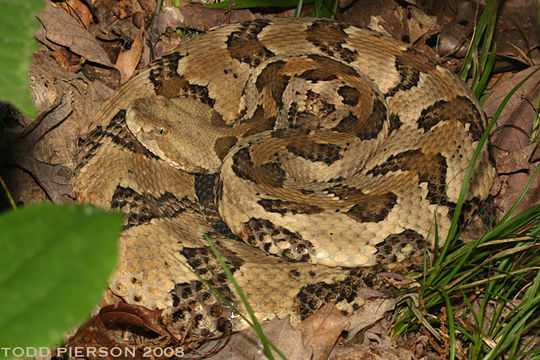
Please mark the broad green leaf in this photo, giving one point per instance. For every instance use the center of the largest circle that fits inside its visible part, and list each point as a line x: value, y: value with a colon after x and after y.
x: 55, y: 263
x: 17, y: 43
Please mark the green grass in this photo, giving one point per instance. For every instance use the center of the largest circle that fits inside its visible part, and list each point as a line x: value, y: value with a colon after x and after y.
x: 253, y: 322
x: 482, y: 51
x: 495, y: 279
x: 484, y: 293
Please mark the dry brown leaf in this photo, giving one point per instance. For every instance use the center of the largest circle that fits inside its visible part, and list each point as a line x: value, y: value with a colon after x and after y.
x: 199, y: 18
x: 62, y: 29
x: 360, y: 13
x: 516, y: 160
x: 365, y: 352
x: 67, y: 60
x: 92, y: 334
x: 372, y: 311
x: 245, y: 345
x: 79, y: 11
x: 518, y: 25
x: 419, y: 23
x: 127, y: 60
x: 535, y: 156
x: 51, y: 85
x: 109, y: 10
x: 95, y: 334
x: 454, y: 35
x: 60, y: 144
x: 511, y: 134
x: 321, y: 330
x: 133, y: 315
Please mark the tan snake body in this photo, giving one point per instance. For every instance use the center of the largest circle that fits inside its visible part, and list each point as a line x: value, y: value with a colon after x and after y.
x: 334, y: 145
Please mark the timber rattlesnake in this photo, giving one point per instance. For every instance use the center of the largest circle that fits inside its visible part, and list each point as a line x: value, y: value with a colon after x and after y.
x: 339, y: 145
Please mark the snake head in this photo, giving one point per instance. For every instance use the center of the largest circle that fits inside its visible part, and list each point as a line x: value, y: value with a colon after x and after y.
x: 167, y: 129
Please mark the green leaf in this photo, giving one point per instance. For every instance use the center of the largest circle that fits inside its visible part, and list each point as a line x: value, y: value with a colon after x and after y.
x: 56, y: 261
x: 17, y: 43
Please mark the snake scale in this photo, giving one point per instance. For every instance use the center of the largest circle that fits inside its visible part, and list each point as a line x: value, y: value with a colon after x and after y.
x: 293, y: 144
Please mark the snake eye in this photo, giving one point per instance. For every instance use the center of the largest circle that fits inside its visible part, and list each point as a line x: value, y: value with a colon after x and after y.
x: 160, y: 130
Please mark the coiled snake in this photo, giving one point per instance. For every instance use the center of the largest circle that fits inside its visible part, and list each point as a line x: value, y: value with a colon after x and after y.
x: 315, y: 142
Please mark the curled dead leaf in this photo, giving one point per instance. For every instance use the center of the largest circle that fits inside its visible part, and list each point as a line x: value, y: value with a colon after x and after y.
x: 127, y: 60
x: 62, y: 29
x: 321, y: 330
x: 133, y: 315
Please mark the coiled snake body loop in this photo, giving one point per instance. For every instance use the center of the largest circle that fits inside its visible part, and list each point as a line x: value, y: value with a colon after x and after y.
x: 316, y: 142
